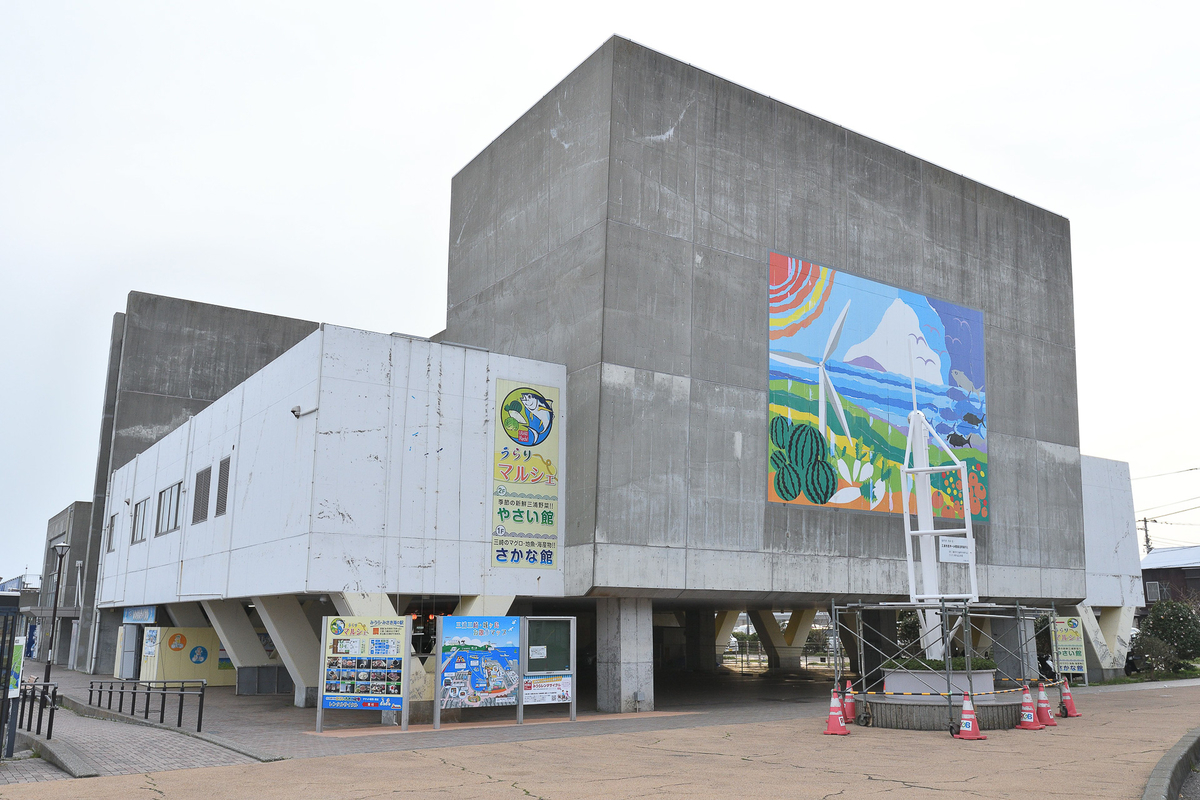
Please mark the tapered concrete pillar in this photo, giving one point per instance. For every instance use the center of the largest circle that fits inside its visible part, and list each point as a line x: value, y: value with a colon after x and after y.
x: 484, y: 605
x: 724, y: 625
x: 624, y: 654
x: 295, y: 642
x: 784, y: 646
x: 186, y: 615
x: 366, y: 604
x: 236, y: 633
x: 700, y: 635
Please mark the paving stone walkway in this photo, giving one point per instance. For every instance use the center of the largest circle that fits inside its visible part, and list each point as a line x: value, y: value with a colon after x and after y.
x: 23, y: 767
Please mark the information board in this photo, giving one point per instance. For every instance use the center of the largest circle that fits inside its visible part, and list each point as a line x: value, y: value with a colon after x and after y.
x: 541, y: 689
x: 1068, y: 641
x: 549, y: 642
x: 479, y: 661
x: 363, y: 662
x: 14, y: 678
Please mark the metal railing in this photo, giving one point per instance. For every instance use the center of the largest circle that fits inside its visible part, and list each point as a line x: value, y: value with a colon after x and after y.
x: 41, y: 696
x: 148, y: 689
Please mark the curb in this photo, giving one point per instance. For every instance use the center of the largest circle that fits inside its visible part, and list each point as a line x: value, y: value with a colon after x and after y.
x: 95, y: 712
x: 61, y: 755
x: 1166, y: 780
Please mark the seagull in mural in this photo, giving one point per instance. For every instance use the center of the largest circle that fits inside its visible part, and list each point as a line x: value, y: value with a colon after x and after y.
x: 823, y: 381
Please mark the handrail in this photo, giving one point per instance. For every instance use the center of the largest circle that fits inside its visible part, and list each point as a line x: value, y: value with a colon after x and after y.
x: 29, y: 697
x: 180, y: 688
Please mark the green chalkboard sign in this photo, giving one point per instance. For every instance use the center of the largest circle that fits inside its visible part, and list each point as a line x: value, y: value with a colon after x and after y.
x: 548, y: 646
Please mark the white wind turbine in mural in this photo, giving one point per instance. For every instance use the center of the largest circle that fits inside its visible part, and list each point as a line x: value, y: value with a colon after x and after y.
x: 823, y: 382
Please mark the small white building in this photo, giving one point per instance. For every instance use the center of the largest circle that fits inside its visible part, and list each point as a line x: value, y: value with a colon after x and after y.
x: 355, y: 466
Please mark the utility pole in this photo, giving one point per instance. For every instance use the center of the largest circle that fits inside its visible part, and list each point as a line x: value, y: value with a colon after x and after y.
x: 1146, y: 534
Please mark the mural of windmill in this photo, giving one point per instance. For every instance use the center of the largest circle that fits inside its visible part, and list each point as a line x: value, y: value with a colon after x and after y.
x: 823, y: 381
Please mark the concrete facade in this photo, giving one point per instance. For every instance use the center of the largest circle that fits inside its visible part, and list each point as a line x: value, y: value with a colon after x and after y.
x: 622, y: 227
x: 71, y: 526
x: 168, y: 359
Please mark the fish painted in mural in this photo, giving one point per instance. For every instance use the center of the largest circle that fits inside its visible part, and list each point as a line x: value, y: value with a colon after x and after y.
x: 972, y: 419
x: 963, y: 382
x: 956, y: 440
x: 976, y: 441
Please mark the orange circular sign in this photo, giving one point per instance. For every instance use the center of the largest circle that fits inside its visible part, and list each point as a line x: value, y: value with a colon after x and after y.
x: 177, y: 642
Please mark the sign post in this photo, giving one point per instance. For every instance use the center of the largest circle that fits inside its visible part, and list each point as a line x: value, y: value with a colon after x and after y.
x: 364, y: 665
x: 548, y: 666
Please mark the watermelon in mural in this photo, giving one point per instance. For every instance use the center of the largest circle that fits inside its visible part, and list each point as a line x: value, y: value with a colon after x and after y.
x: 845, y: 355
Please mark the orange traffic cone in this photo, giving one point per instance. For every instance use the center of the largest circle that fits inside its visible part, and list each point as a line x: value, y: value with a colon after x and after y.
x: 1068, y: 702
x: 849, y: 707
x: 1028, y: 714
x: 1044, y: 714
x: 837, y: 723
x: 968, y: 726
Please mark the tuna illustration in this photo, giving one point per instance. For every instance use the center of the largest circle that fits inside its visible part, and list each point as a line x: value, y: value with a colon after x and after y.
x: 963, y: 382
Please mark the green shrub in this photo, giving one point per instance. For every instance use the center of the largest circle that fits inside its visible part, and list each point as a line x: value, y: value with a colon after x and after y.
x: 1175, y: 624
x: 1154, y: 653
x: 957, y: 663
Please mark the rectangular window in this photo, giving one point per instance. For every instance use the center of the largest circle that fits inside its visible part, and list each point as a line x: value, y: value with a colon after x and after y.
x: 200, y: 495
x: 112, y: 528
x: 139, y: 522
x: 1152, y: 591
x: 222, y: 486
x: 168, y: 510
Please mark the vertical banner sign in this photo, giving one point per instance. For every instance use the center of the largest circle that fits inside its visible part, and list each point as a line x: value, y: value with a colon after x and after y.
x: 525, y: 478
x: 363, y: 662
x: 1068, y: 638
x: 14, y: 678
x: 480, y: 661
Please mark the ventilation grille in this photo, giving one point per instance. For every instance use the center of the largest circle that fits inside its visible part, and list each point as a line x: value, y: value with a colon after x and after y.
x: 200, y: 495
x: 222, y: 487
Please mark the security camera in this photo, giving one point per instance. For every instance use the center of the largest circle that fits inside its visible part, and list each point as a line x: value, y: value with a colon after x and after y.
x: 296, y: 412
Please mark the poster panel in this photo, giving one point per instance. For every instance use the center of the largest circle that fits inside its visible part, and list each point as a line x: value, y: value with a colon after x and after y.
x: 14, y: 677
x: 480, y: 661
x: 846, y: 356
x: 139, y: 615
x: 525, y: 476
x: 363, y: 662
x: 1068, y: 639
x: 542, y: 689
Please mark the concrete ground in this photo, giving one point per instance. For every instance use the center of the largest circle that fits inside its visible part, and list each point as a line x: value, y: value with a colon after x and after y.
x: 769, y: 740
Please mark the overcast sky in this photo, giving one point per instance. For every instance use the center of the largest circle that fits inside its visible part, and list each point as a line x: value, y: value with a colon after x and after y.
x: 295, y: 158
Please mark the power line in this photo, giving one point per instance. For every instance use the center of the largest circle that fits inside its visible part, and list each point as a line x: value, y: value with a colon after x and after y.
x: 1173, y: 513
x: 1172, y: 503
x: 1164, y: 474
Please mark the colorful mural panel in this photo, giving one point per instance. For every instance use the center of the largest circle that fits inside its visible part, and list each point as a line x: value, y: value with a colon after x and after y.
x: 846, y: 356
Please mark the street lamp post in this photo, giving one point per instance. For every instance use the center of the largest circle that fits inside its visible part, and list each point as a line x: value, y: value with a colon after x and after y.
x: 60, y: 550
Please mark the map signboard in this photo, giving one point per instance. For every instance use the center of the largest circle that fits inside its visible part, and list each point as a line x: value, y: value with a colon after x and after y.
x: 14, y: 678
x: 479, y: 661
x: 363, y: 662
x: 1068, y: 641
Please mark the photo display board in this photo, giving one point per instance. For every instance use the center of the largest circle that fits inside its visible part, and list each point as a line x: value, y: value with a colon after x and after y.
x: 525, y: 477
x: 363, y: 662
x: 1068, y: 640
x: 479, y: 661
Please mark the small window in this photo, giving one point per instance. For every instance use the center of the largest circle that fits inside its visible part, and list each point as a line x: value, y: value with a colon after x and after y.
x: 139, y: 522
x: 222, y: 487
x: 112, y: 527
x: 1152, y: 591
x: 200, y: 495
x: 168, y: 510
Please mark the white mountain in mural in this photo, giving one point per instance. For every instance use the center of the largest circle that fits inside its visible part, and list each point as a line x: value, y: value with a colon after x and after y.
x: 887, y: 349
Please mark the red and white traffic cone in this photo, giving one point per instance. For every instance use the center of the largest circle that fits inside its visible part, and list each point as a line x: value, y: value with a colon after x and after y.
x: 1028, y: 713
x: 968, y: 726
x: 849, y: 705
x: 1068, y: 702
x: 1044, y: 714
x: 837, y: 723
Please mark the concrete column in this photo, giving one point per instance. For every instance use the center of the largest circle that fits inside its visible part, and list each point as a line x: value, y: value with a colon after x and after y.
x: 879, y: 633
x: 484, y: 605
x: 295, y: 642
x: 724, y: 624
x: 700, y: 634
x: 624, y: 654
x: 785, y: 647
x: 1105, y: 638
x: 186, y: 615
x: 236, y: 633
x: 1008, y: 640
x: 365, y: 604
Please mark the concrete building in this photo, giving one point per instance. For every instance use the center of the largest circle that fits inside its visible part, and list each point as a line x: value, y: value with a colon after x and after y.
x: 356, y: 469
x: 624, y: 226
x: 632, y: 241
x: 71, y: 526
x: 168, y: 359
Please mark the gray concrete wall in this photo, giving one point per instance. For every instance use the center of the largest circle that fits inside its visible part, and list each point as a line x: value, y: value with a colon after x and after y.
x: 69, y: 525
x: 658, y: 308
